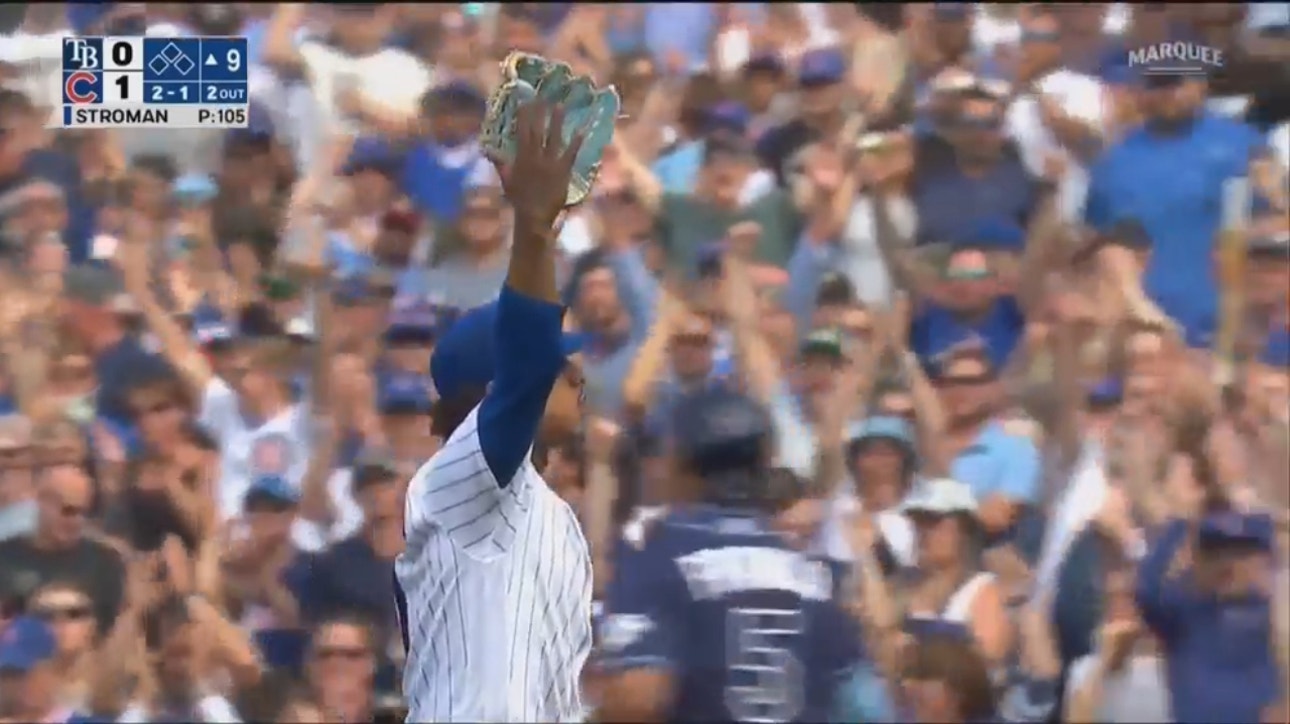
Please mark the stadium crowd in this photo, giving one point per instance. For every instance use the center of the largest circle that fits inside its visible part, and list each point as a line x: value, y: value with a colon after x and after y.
x: 1019, y: 308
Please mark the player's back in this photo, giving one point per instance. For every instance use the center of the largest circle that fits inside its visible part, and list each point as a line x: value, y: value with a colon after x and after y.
x: 746, y: 624
x: 496, y: 616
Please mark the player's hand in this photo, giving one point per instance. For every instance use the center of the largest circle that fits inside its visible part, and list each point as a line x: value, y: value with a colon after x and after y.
x: 537, y: 182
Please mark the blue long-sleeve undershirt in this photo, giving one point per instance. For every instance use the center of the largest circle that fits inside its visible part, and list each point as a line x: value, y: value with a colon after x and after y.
x: 529, y: 359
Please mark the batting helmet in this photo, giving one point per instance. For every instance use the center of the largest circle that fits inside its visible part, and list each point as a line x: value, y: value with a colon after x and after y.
x: 724, y: 437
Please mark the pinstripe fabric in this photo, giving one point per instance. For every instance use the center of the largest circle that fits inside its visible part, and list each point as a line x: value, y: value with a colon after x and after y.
x: 496, y: 587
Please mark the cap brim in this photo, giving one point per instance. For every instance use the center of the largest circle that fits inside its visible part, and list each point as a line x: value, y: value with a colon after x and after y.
x: 259, y: 499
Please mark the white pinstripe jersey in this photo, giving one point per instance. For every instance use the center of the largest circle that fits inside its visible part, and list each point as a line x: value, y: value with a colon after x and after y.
x: 495, y: 587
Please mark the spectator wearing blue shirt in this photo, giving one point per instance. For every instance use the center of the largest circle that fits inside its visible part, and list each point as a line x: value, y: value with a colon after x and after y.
x: 356, y: 574
x: 971, y: 304
x: 31, y: 689
x: 983, y: 177
x: 1001, y: 467
x: 1215, y: 619
x: 821, y: 112
x: 1169, y: 174
x: 448, y: 160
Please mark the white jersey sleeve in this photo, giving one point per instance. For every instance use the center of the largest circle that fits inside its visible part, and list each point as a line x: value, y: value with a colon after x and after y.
x: 457, y: 494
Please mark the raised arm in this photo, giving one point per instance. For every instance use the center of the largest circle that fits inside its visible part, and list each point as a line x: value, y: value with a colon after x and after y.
x: 467, y: 489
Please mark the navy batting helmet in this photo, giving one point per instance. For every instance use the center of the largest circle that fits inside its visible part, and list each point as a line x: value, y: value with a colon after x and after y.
x: 724, y: 437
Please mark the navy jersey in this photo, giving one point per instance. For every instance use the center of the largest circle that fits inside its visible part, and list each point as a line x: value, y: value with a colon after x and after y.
x: 747, y: 626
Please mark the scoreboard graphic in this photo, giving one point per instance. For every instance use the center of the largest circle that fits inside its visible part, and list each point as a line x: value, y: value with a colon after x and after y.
x: 137, y: 82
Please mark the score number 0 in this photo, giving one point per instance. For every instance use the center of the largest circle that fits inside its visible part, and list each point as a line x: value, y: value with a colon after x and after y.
x: 123, y: 54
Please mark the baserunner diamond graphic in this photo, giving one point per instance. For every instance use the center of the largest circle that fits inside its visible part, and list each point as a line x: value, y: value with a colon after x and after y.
x: 158, y: 65
x: 171, y: 52
x: 183, y: 65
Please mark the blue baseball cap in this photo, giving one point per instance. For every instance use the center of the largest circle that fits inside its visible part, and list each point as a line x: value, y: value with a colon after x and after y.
x: 274, y: 491
x: 194, y: 188
x: 26, y: 643
x: 1108, y: 391
x: 412, y: 323
x: 372, y: 154
x: 729, y: 116
x: 764, y: 63
x: 455, y: 95
x: 824, y: 66
x: 466, y: 355
x: 882, y: 427
x: 405, y: 394
x: 1231, y: 527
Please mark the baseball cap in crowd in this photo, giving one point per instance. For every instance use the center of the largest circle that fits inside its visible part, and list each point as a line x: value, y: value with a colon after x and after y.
x: 824, y: 343
x: 466, y: 355
x: 414, y: 324
x: 731, y: 116
x: 362, y: 289
x: 26, y: 643
x: 454, y: 96
x: 257, y: 134
x: 405, y: 394
x: 373, y: 154
x: 93, y: 286
x: 995, y: 234
x: 272, y: 493
x: 768, y: 63
x: 194, y: 188
x: 940, y: 496
x: 372, y: 465
x: 820, y: 67
x: 212, y: 332
x: 1233, y: 529
x: 835, y: 288
x: 1105, y: 393
x: 882, y: 427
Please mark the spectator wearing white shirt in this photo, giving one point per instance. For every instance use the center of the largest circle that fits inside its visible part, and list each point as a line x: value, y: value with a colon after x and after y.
x: 1059, y: 115
x: 881, y: 464
x: 358, y: 83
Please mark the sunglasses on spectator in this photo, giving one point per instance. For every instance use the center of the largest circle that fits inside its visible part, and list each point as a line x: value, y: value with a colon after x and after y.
x: 16, y: 459
x: 1040, y: 36
x: 348, y: 653
x: 52, y: 613
x: 480, y: 212
x: 966, y: 380
x: 979, y: 123
x: 858, y: 331
x: 967, y: 274
x: 67, y: 510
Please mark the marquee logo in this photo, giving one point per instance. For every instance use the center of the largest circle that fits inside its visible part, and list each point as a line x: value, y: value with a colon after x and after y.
x: 1176, y: 59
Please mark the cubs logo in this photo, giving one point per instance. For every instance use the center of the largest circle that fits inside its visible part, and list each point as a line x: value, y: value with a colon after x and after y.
x: 271, y: 454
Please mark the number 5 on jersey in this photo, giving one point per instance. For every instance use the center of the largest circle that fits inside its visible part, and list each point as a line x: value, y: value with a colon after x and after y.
x: 765, y: 681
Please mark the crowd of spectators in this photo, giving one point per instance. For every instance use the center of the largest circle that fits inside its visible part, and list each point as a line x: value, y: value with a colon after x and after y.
x: 1019, y: 307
